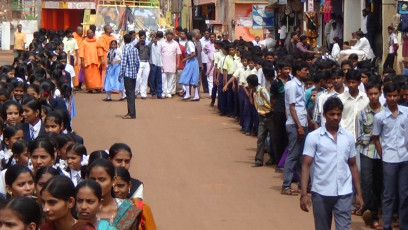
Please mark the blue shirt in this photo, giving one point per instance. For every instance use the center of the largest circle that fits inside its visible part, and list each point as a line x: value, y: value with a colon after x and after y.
x: 130, y: 62
x: 392, y: 131
x: 295, y: 94
x: 330, y: 171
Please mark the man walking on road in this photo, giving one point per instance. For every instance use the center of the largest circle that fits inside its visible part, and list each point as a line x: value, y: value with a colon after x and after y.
x: 19, y: 41
x: 330, y: 152
x: 128, y: 73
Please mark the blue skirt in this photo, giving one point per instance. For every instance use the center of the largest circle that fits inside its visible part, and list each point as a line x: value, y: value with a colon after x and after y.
x: 111, y: 78
x: 190, y: 73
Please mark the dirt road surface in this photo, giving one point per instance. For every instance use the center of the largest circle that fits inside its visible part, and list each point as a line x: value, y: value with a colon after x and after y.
x: 195, y: 165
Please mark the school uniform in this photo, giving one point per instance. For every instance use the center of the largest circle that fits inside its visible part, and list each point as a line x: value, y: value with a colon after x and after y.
x: 75, y: 176
x: 238, y: 65
x: 247, y: 109
x: 31, y: 132
x: 227, y: 98
x: 216, y: 57
x: 57, y: 103
x: 220, y: 64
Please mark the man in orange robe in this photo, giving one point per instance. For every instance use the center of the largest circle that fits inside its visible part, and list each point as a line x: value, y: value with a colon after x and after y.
x: 90, y: 63
x: 77, y: 67
x: 103, y: 48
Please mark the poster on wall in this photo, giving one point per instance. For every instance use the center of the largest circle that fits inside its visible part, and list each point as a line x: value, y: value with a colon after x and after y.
x: 123, y: 18
x: 262, y: 16
x: 244, y: 21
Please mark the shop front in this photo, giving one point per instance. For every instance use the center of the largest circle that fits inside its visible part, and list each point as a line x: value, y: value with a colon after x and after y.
x: 61, y: 15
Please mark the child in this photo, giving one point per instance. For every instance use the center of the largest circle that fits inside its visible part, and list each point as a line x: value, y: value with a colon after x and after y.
x: 11, y: 134
x: 33, y: 126
x: 34, y: 90
x: 218, y: 57
x: 18, y: 91
x: 261, y: 100
x: 20, y: 152
x: 11, y: 113
x: 75, y: 155
x: 335, y: 54
x: 53, y: 123
x: 112, y: 72
x: 228, y: 68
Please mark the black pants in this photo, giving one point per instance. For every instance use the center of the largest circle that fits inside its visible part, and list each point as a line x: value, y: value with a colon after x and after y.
x: 371, y: 184
x: 204, y: 80
x: 130, y: 85
x: 280, y: 135
x: 389, y: 61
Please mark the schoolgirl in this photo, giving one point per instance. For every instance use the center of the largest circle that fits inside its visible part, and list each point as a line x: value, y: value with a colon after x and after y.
x: 75, y: 155
x: 19, y: 181
x: 53, y: 123
x: 112, y: 72
x: 11, y: 113
x: 42, y: 153
x: 190, y: 75
x: 33, y: 126
x: 11, y: 135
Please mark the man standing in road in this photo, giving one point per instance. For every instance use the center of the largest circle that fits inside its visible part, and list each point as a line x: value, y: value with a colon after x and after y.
x: 128, y: 73
x: 19, y: 41
x: 330, y: 152
x: 170, y: 51
x: 205, y: 59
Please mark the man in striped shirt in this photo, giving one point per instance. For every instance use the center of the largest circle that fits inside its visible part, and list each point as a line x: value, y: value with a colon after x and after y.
x: 128, y: 73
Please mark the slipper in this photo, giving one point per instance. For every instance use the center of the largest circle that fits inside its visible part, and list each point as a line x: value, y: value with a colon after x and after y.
x: 122, y: 99
x: 107, y: 99
x: 376, y: 225
x: 289, y: 192
x: 128, y: 117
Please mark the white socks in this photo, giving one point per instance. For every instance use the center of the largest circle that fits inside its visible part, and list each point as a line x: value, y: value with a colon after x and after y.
x: 108, y: 94
x: 196, y: 96
x: 187, y: 90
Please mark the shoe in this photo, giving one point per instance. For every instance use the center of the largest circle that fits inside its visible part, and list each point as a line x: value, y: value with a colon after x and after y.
x: 107, y: 99
x: 168, y: 95
x: 212, y: 104
x: 195, y: 99
x: 122, y: 99
x: 143, y: 98
x: 247, y: 133
x: 257, y: 164
x: 185, y: 98
x: 270, y: 162
x: 154, y: 96
x: 160, y: 97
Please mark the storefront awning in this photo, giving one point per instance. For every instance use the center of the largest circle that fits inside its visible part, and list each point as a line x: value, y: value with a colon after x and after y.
x: 203, y: 2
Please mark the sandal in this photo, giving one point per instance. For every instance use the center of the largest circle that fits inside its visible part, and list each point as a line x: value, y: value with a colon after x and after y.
x: 376, y: 225
x: 127, y: 116
x: 289, y: 192
x: 367, y: 217
x: 356, y: 212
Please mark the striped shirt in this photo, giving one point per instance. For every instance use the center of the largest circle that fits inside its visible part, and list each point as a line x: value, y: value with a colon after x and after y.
x: 130, y: 62
x: 364, y: 128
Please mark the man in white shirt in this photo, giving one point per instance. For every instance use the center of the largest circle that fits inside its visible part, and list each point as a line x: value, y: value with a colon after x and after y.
x: 204, y: 59
x: 362, y: 45
x: 392, y: 48
x: 329, y: 158
x: 353, y: 100
x: 256, y: 42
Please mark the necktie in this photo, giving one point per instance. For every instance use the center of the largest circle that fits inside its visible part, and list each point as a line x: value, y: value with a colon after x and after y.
x: 78, y: 178
x: 32, y: 133
x: 245, y: 69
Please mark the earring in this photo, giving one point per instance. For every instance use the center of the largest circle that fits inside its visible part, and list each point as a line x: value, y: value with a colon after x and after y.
x: 11, y: 194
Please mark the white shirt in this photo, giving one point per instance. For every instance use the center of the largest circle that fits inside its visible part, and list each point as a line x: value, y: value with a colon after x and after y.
x: 155, y: 56
x: 204, y: 56
x: 391, y: 41
x: 70, y: 69
x: 364, y: 46
x: 335, y: 52
x: 283, y: 32
x: 36, y: 128
x: 256, y: 43
x: 364, y: 25
x: 351, y: 106
x: 190, y: 47
x: 330, y: 172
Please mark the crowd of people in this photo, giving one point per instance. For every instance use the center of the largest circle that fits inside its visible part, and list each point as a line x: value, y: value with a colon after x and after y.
x: 48, y: 179
x: 338, y: 130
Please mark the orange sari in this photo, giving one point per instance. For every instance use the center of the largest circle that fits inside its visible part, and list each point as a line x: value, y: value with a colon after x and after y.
x: 103, y: 47
x: 89, y: 53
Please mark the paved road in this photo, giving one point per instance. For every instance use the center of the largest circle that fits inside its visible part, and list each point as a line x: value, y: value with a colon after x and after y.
x: 195, y: 165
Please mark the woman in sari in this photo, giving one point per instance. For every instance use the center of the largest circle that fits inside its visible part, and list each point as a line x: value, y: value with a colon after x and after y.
x: 114, y: 213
